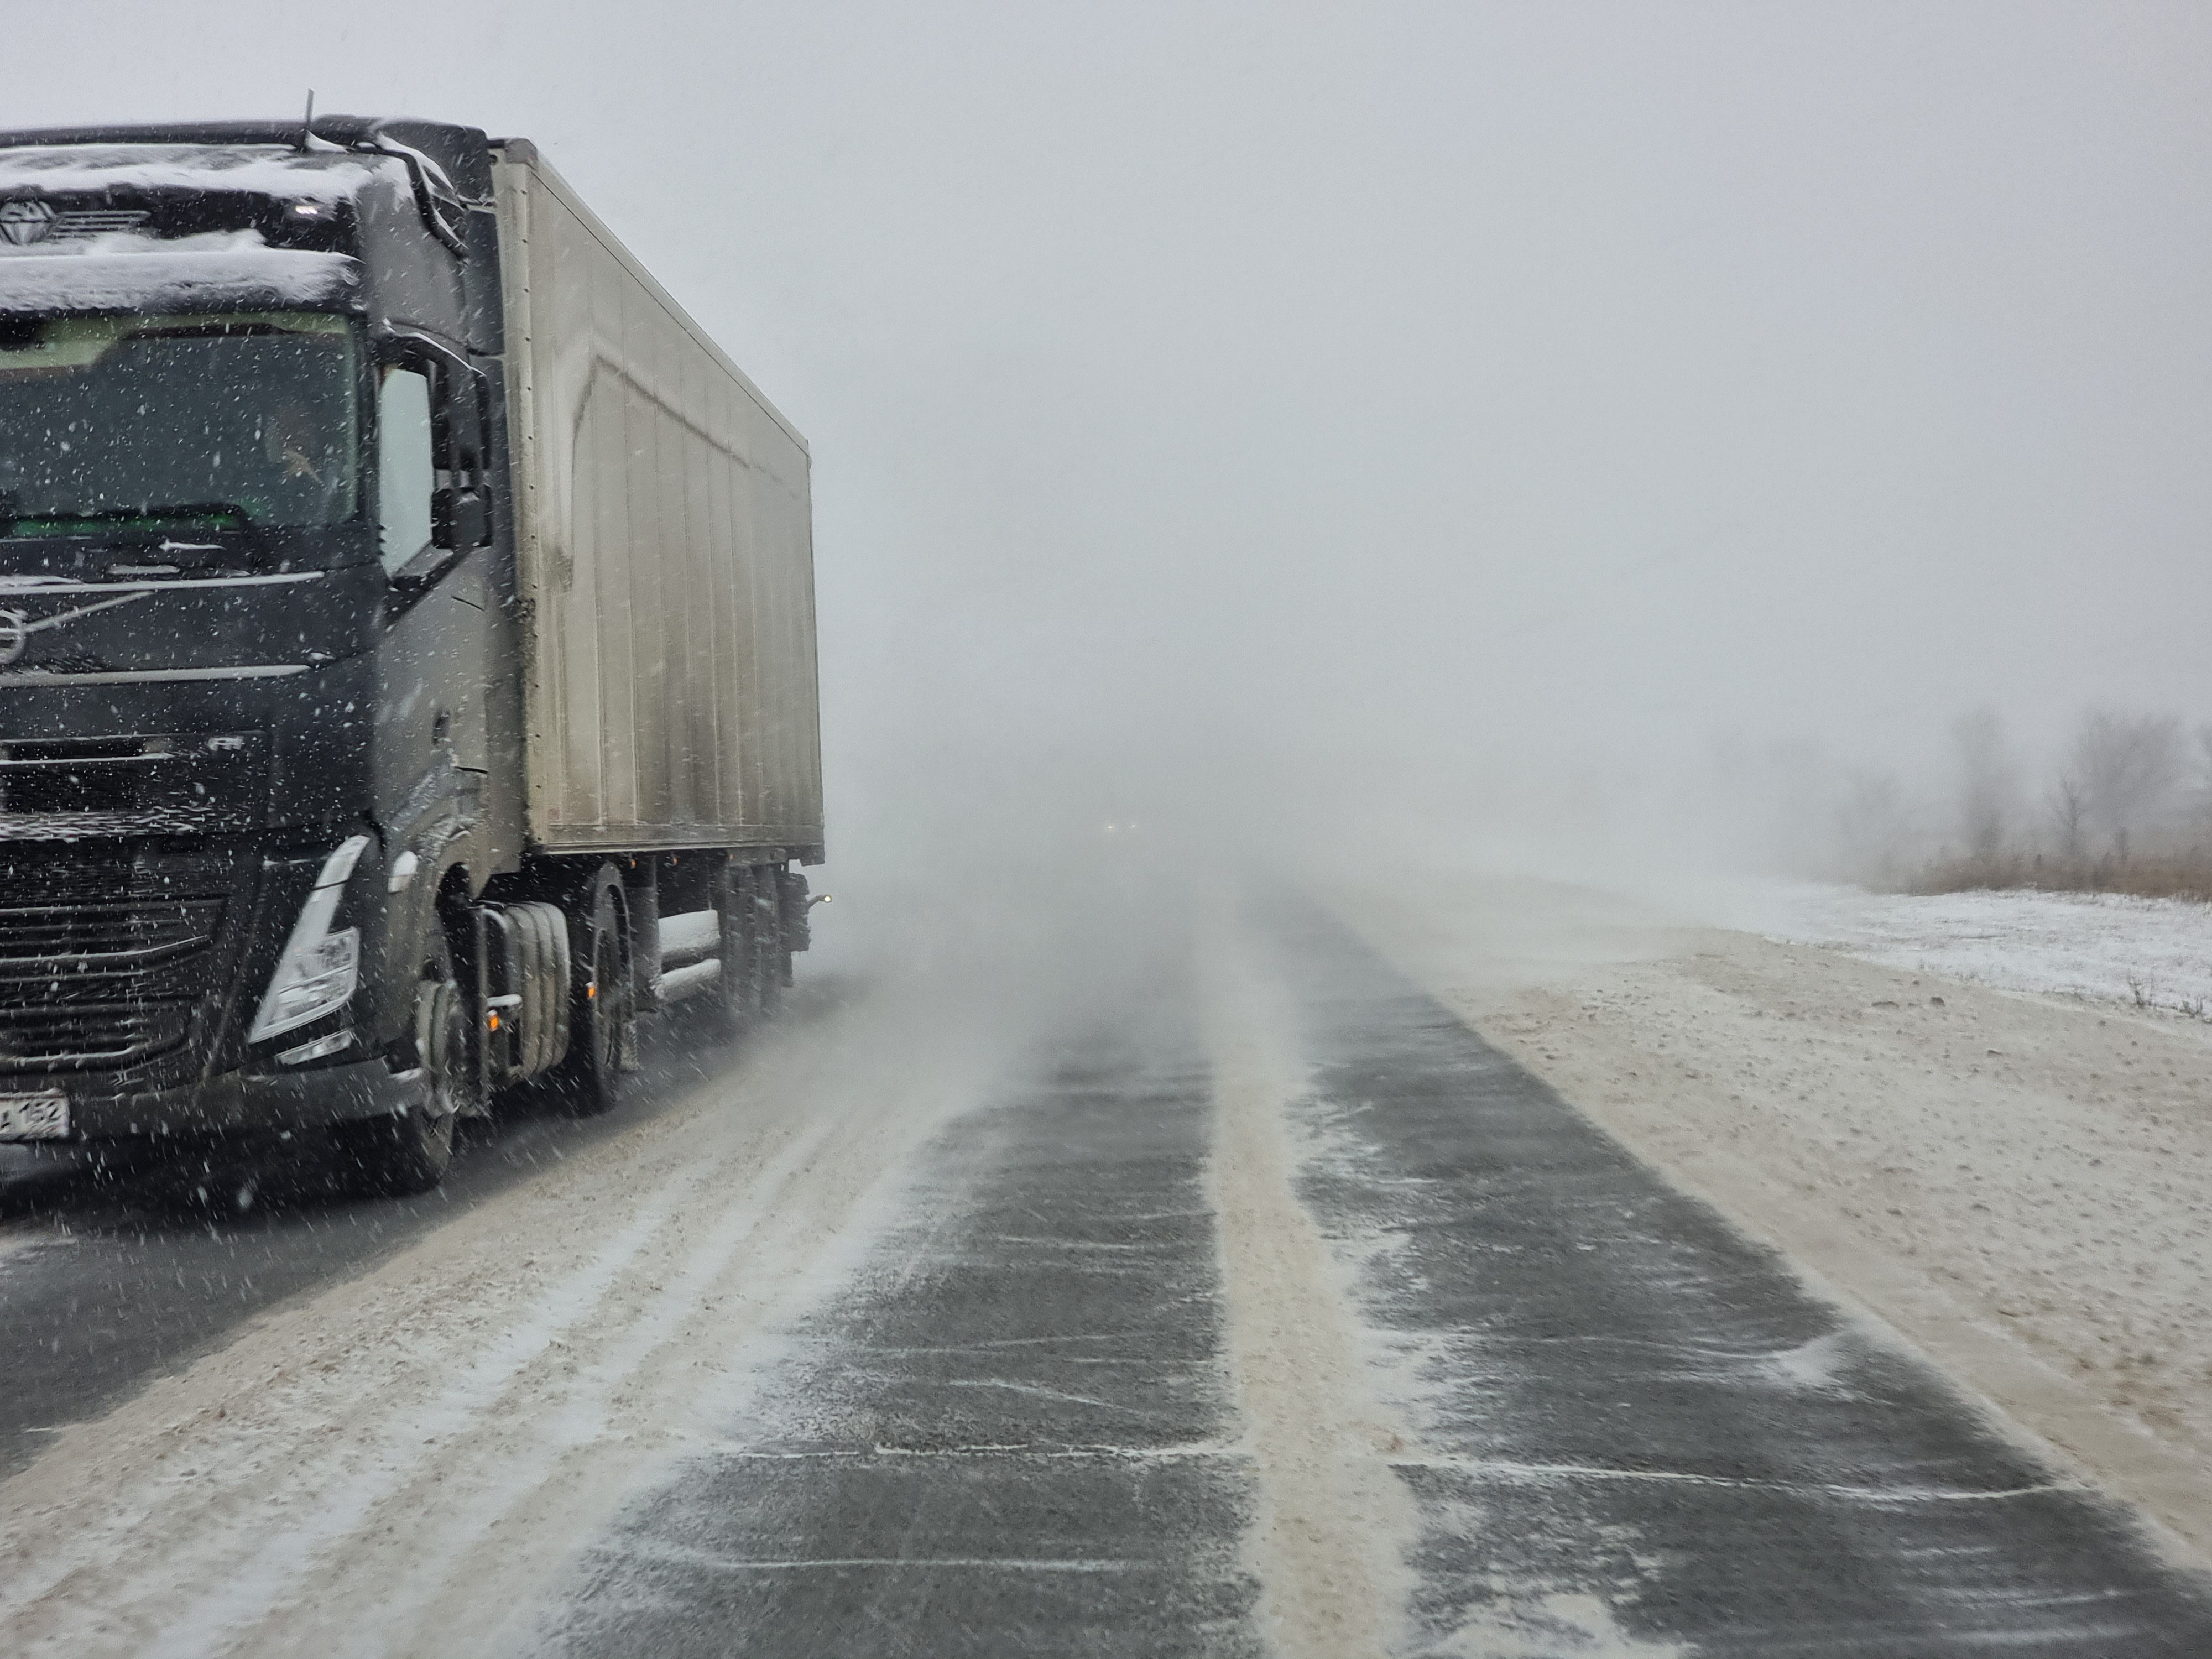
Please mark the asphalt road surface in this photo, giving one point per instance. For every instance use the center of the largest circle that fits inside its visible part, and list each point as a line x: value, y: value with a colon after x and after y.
x: 1465, y: 1379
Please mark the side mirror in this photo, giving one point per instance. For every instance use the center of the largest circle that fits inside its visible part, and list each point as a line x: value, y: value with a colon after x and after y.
x: 459, y: 517
x: 424, y: 570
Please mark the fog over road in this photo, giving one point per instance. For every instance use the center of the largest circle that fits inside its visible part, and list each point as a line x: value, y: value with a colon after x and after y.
x: 1230, y: 1298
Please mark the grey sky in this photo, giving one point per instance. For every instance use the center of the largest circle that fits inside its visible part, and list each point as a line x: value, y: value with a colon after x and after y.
x: 1514, y: 374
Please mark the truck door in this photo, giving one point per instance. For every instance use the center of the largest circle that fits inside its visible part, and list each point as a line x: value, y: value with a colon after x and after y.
x: 435, y: 525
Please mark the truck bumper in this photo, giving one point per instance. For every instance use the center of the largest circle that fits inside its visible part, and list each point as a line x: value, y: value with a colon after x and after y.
x: 238, y: 1100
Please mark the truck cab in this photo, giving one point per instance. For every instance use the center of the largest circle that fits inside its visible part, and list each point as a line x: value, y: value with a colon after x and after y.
x: 403, y: 603
x: 253, y: 569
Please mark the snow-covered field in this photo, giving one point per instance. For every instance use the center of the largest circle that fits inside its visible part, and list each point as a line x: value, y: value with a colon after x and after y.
x: 2104, y: 947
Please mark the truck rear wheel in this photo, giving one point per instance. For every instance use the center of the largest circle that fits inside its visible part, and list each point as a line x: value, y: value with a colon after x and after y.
x: 602, y: 1029
x: 410, y: 1153
x: 732, y: 1007
x: 752, y: 984
x: 771, y: 962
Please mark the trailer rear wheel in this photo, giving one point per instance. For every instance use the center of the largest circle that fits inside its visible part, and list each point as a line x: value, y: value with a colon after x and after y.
x: 604, y: 1027
x: 754, y: 963
x: 734, y: 1004
x: 771, y: 962
x: 410, y: 1153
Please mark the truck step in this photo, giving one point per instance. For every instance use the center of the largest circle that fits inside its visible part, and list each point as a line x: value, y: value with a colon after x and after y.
x: 690, y: 936
x: 681, y: 983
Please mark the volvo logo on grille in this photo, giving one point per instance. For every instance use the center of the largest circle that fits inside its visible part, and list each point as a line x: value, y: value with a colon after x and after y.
x: 25, y: 222
x: 15, y: 636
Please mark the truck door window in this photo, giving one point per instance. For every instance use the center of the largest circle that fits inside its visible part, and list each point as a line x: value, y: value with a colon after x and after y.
x: 405, y: 471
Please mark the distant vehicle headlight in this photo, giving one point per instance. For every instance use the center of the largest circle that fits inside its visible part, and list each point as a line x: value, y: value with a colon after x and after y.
x: 318, y: 968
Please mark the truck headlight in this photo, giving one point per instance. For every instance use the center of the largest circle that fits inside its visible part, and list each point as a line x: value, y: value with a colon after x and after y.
x: 318, y: 968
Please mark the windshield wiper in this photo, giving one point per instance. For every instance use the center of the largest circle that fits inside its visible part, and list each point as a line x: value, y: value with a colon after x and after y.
x: 36, y: 583
x: 213, y: 515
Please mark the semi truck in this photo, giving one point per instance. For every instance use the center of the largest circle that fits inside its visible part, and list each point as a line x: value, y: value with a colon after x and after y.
x: 407, y: 650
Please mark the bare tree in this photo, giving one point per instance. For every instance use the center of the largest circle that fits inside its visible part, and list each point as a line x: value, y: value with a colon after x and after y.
x: 2200, y: 786
x: 1989, y: 783
x: 2068, y: 808
x: 2128, y: 766
x: 1872, y: 824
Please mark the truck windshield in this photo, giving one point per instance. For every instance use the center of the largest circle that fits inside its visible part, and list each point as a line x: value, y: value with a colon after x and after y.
x: 159, y: 421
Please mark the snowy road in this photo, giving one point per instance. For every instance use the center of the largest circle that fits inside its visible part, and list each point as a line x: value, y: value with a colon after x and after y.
x: 1240, y: 1300
x: 108, y: 1283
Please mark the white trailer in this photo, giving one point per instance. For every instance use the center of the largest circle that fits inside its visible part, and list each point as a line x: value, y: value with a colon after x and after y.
x: 664, y: 556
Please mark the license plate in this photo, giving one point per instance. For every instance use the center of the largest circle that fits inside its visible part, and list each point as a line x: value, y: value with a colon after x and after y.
x: 34, y: 1117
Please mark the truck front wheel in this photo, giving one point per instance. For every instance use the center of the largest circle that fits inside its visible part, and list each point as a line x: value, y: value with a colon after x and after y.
x: 410, y: 1153
x: 602, y: 1029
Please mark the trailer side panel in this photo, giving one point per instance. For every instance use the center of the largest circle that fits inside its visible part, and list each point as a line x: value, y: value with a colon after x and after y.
x: 664, y: 555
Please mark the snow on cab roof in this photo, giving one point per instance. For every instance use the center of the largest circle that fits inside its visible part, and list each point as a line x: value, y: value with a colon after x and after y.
x: 252, y: 279
x: 261, y: 169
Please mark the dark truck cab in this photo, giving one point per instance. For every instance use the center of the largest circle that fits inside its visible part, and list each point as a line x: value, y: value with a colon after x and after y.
x: 262, y: 850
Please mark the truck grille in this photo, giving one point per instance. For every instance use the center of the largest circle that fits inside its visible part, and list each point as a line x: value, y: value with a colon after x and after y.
x: 78, y: 224
x: 104, y: 937
x: 91, y: 1038
x: 105, y: 968
x: 119, y: 790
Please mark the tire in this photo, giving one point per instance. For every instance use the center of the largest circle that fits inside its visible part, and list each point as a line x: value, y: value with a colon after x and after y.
x: 603, y: 1021
x: 394, y: 1157
x: 771, y: 962
x: 754, y: 963
x: 735, y: 1002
